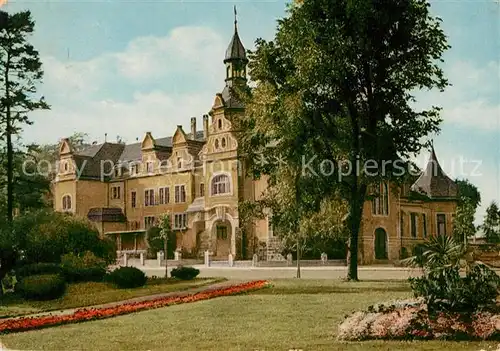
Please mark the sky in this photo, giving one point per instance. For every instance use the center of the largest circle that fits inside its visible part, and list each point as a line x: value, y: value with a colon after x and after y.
x: 128, y: 67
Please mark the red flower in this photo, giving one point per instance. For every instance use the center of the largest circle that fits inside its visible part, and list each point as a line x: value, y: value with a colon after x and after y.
x: 85, y: 314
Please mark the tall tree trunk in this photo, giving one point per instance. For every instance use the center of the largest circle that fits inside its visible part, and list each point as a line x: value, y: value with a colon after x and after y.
x: 298, y: 257
x: 10, y: 149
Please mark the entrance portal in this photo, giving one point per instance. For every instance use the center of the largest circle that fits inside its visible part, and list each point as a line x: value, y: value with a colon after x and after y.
x: 380, y: 244
x: 223, y: 240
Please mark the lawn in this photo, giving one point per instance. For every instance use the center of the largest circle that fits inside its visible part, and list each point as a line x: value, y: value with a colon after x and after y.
x: 293, y: 314
x: 88, y: 294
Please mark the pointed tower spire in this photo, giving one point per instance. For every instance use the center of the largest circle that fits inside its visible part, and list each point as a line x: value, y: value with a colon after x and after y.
x: 433, y: 181
x: 235, y: 20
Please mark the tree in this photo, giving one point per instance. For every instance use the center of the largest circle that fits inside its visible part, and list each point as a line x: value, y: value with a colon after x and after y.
x: 469, y: 199
x: 468, y: 192
x: 491, y: 224
x: 463, y: 226
x: 20, y: 73
x: 337, y: 84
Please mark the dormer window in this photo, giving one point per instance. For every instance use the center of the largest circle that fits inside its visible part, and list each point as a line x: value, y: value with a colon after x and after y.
x: 220, y: 123
x: 66, y: 167
x: 179, y: 162
x: 134, y: 169
x: 149, y: 167
x: 118, y: 172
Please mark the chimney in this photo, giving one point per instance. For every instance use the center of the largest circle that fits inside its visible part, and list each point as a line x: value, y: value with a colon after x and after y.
x: 193, y: 128
x: 205, y: 126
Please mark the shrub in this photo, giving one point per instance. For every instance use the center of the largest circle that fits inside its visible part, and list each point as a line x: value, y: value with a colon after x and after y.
x: 46, y: 235
x: 446, y: 290
x: 41, y: 287
x: 87, y: 267
x: 155, y: 243
x: 127, y: 277
x: 185, y: 273
x: 37, y: 269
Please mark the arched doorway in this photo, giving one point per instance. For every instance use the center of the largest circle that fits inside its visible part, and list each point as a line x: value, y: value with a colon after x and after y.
x: 222, y: 235
x: 380, y: 244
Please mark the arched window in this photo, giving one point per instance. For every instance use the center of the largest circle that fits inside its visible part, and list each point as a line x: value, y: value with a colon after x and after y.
x: 66, y: 202
x: 221, y: 184
x: 220, y: 123
x: 216, y: 143
x: 223, y: 143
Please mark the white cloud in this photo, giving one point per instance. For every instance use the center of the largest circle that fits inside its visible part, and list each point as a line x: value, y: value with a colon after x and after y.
x: 155, y: 84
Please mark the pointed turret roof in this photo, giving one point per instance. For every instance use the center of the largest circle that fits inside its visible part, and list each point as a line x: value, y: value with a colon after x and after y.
x: 235, y: 50
x: 433, y: 182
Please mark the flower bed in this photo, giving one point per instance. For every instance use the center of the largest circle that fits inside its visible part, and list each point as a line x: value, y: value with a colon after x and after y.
x: 407, y: 320
x: 87, y: 314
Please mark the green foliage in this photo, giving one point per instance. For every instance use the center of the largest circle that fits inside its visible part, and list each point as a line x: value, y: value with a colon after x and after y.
x: 37, y: 269
x: 491, y: 224
x: 403, y: 253
x: 468, y: 192
x: 156, y: 243
x: 446, y: 290
x: 83, y: 268
x: 463, y: 226
x: 337, y: 83
x: 127, y: 277
x: 41, y: 287
x: 22, y: 72
x: 442, y: 286
x: 45, y: 236
x: 185, y: 273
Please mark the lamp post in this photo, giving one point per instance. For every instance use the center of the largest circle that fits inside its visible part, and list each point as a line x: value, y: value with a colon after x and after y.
x: 164, y: 236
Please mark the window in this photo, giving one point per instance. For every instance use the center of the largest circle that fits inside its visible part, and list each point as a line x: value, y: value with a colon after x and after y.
x: 149, y: 167
x: 134, y: 169
x: 380, y: 203
x: 133, y: 199
x: 202, y: 189
x: 66, y: 202
x: 180, y: 193
x: 424, y: 224
x: 149, y: 197
x: 401, y: 225
x: 164, y: 195
x: 413, y: 218
x: 115, y: 192
x: 65, y: 166
x: 179, y: 162
x: 220, y: 123
x: 216, y: 143
x: 118, y: 172
x: 149, y: 221
x: 441, y: 224
x: 221, y: 232
x: 221, y: 185
x: 180, y: 221
x: 223, y: 143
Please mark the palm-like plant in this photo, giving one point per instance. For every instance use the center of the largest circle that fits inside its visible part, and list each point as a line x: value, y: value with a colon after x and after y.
x: 441, y: 252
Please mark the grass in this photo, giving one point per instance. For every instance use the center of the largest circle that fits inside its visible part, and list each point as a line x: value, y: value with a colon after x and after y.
x: 293, y: 314
x: 90, y: 293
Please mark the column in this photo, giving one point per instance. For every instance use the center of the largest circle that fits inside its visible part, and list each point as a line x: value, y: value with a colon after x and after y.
x: 233, y: 239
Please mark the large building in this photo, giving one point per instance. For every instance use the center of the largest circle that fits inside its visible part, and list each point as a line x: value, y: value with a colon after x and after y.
x: 196, y: 178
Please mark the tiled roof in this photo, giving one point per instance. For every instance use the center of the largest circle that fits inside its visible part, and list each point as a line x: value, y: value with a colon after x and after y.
x: 230, y: 100
x: 433, y: 182
x: 89, y: 159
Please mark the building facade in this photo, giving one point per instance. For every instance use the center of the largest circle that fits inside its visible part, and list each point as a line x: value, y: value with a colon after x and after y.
x: 196, y: 178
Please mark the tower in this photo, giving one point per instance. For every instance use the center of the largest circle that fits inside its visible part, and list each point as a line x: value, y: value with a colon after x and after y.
x: 235, y: 62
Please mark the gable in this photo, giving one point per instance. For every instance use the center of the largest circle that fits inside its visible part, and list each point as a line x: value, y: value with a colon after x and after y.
x: 65, y: 147
x: 179, y: 136
x: 218, y: 102
x: 148, y: 142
